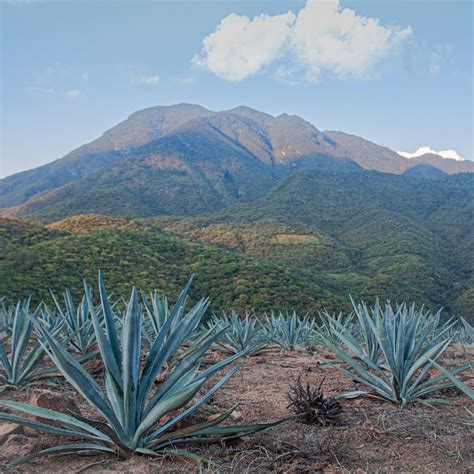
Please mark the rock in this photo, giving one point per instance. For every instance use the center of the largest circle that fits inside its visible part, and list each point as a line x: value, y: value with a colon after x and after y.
x: 236, y: 415
x: 53, y: 401
x: 7, y: 429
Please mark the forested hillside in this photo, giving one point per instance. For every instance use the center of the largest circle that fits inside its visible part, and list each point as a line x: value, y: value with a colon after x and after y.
x: 310, y: 243
x: 406, y: 238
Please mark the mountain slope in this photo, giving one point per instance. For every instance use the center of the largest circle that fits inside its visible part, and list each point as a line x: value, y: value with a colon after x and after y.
x: 281, y: 144
x: 139, y: 128
x: 408, y: 238
x: 446, y: 165
x: 131, y: 253
x: 367, y: 154
x: 379, y: 158
x: 194, y: 170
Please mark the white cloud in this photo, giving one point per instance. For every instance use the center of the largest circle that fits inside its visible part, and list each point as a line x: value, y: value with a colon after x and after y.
x: 423, y: 150
x: 144, y: 80
x: 72, y: 94
x: 322, y: 36
x: 329, y: 37
x: 240, y: 47
x: 59, y: 81
x: 186, y: 80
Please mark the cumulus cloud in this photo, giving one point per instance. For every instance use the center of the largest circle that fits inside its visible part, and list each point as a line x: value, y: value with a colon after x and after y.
x: 322, y: 36
x: 423, y: 150
x: 241, y: 47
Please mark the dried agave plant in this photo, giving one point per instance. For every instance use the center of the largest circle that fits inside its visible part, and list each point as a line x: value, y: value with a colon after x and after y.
x: 309, y: 402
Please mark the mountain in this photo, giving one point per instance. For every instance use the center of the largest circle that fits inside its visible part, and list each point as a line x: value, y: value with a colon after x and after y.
x: 367, y: 154
x: 139, y: 128
x: 446, y: 165
x: 424, y: 171
x: 193, y: 170
x: 314, y: 238
x: 186, y: 160
x: 394, y: 236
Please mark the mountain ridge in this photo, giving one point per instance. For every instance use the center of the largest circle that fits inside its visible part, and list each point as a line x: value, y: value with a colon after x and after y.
x: 223, y: 157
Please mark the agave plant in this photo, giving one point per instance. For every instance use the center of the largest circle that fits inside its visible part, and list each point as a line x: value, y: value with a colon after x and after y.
x: 6, y: 317
x: 243, y: 334
x: 22, y: 357
x: 288, y: 332
x: 468, y: 331
x: 158, y: 311
x: 409, y: 343
x: 331, y: 324
x: 140, y: 416
x: 365, y: 317
x: 77, y: 323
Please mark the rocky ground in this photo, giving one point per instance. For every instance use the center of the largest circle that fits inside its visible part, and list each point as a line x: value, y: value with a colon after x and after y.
x: 371, y: 435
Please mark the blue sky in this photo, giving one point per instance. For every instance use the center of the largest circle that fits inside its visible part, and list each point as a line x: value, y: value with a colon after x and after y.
x: 398, y: 73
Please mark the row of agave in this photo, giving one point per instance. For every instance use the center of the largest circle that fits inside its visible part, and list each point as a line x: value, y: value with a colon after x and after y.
x: 390, y: 350
x: 135, y: 414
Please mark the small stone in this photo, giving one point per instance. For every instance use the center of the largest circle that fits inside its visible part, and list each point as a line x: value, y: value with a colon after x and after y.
x: 7, y: 429
x: 236, y: 415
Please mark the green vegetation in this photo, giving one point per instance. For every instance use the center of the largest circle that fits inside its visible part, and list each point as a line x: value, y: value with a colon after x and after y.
x: 139, y: 416
x: 288, y: 331
x: 311, y: 242
x: 395, y: 353
x: 22, y: 357
x: 377, y: 234
x: 149, y: 258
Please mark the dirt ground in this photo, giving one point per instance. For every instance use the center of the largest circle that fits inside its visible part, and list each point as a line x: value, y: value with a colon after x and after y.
x: 371, y: 436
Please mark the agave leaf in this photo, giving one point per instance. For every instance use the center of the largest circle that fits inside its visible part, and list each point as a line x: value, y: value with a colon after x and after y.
x: 451, y: 376
x: 225, y: 433
x: 63, y: 449
x: 182, y: 368
x: 109, y: 356
x: 191, y: 430
x: 79, y: 378
x: 167, y: 405
x: 177, y: 453
x: 131, y: 343
x: 54, y: 415
x: 162, y: 349
x: 46, y: 428
x: 162, y: 429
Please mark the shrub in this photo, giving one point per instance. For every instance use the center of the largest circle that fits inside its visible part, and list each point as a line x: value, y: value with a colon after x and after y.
x: 310, y: 401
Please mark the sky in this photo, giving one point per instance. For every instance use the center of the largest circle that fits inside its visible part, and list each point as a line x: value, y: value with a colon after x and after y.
x: 399, y: 73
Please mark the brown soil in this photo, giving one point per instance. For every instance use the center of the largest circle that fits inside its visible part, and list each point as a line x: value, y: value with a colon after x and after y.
x: 372, y: 435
